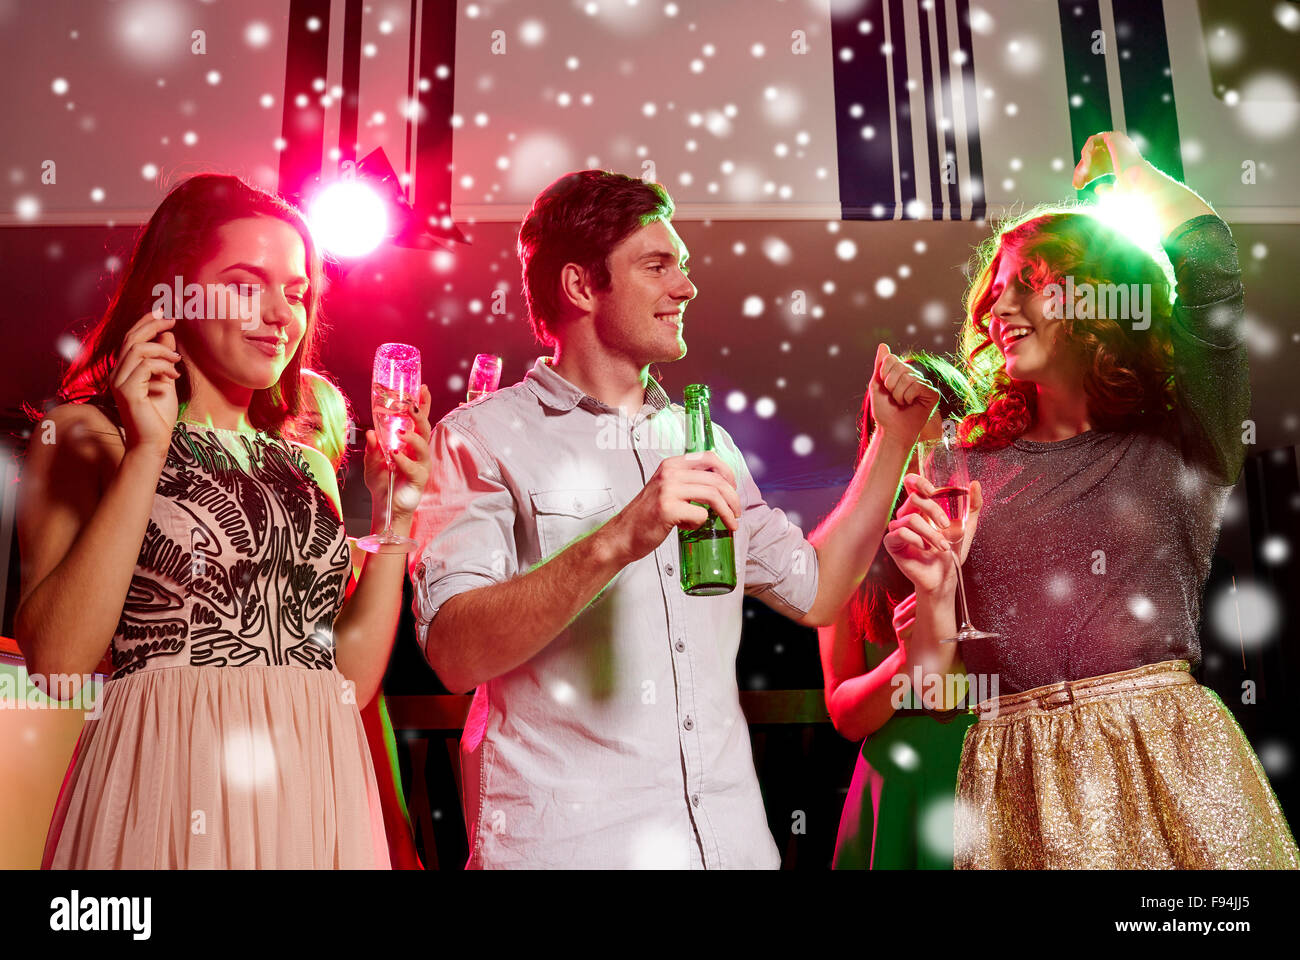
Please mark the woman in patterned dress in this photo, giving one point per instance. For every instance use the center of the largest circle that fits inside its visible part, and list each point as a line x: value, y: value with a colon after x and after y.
x: 163, y: 514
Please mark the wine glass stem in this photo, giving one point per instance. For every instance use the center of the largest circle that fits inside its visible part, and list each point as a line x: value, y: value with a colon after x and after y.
x: 388, y: 512
x: 961, y: 588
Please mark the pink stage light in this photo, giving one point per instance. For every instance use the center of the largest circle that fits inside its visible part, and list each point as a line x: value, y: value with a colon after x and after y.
x: 349, y: 219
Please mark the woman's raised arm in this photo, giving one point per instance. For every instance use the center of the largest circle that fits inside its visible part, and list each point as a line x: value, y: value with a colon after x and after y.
x: 83, y: 508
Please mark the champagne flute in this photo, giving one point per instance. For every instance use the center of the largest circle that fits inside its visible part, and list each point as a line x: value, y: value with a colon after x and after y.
x: 394, y: 398
x: 944, y: 459
x: 485, y: 376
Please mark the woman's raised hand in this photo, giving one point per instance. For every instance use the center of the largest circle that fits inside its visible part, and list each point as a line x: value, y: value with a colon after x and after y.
x: 901, y: 398
x: 143, y: 380
x: 905, y: 620
x: 1171, y: 203
x: 1113, y: 153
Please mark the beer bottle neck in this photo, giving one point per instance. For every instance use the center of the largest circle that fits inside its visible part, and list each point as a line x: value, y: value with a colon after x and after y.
x: 699, y: 428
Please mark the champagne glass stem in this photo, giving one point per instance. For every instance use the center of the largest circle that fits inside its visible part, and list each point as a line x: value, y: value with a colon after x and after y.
x: 961, y: 590
x: 388, y: 512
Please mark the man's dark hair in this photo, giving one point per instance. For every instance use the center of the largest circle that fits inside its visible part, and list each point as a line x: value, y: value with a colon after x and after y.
x: 580, y: 218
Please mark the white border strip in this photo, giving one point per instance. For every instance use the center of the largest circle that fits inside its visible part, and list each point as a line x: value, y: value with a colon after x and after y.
x: 1113, y: 84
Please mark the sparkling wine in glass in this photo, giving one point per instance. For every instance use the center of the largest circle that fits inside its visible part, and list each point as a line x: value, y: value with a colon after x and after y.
x: 955, y: 502
x: 944, y: 460
x: 394, y: 398
x: 485, y: 377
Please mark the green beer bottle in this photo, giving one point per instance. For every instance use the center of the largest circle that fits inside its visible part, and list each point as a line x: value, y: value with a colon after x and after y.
x: 708, y: 559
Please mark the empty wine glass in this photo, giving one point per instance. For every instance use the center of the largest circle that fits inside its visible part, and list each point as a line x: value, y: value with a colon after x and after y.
x: 394, y: 398
x: 944, y: 461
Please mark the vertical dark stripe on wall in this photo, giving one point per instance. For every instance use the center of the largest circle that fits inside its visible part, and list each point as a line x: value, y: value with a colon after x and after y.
x: 433, y: 139
x: 411, y: 97
x: 902, y: 106
x: 349, y: 107
x: 971, y: 108
x: 1146, y: 81
x: 945, y: 89
x: 1086, y: 89
x: 866, y: 166
x: 931, y: 125
x: 303, y: 128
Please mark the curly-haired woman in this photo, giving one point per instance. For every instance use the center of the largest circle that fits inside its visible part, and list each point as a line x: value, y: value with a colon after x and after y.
x: 1105, y: 453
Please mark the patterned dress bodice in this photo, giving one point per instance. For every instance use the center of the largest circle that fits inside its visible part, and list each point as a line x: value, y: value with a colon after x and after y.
x: 244, y: 561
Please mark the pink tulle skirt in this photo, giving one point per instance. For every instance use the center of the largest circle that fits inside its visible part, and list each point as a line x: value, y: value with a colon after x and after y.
x: 221, y: 768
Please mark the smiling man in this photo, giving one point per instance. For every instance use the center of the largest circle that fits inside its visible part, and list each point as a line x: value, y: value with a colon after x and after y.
x: 606, y: 728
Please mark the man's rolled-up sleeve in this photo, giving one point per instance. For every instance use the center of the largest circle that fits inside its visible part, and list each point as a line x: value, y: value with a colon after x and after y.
x: 780, y: 565
x: 464, y: 530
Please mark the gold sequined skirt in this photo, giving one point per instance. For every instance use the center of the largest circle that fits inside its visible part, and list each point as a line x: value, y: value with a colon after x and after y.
x: 1142, y: 769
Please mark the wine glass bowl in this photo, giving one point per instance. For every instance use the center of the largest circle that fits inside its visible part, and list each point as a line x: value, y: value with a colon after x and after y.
x: 394, y: 417
x: 484, y: 377
x: 943, y: 461
x: 955, y: 502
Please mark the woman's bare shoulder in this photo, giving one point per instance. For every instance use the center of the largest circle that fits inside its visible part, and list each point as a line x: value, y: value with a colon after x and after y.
x: 318, y: 461
x: 80, y: 431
